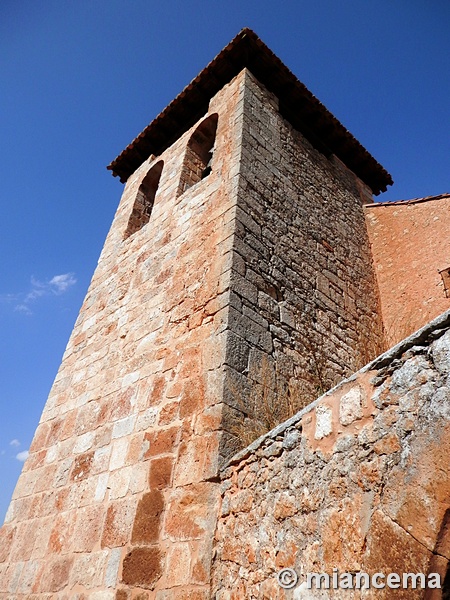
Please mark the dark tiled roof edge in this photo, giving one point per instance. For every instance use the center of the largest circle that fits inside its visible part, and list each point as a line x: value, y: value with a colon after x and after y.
x: 297, y: 104
x: 411, y: 201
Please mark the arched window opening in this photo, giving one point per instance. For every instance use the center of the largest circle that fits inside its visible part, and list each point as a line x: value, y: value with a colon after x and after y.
x: 199, y: 154
x: 143, y: 205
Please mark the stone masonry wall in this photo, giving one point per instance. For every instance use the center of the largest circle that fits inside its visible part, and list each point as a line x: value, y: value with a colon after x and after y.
x: 117, y: 499
x: 304, y: 301
x: 257, y: 276
x: 357, y: 481
x: 410, y: 243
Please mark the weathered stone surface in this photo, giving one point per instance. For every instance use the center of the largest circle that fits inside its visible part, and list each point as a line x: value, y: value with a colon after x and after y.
x: 142, y: 567
x: 350, y: 407
x: 135, y: 410
x: 148, y: 517
x: 440, y: 351
x: 304, y: 280
x: 371, y: 493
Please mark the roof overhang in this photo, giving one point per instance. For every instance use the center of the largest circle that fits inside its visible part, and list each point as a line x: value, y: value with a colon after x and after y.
x: 301, y: 108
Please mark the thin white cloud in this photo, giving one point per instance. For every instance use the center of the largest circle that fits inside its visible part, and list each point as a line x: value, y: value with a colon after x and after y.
x: 23, y: 308
x: 37, y: 290
x: 22, y: 456
x: 57, y: 285
x: 61, y: 283
x: 15, y: 442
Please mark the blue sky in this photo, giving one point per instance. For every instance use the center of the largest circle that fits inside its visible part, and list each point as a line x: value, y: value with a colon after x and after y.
x: 79, y: 80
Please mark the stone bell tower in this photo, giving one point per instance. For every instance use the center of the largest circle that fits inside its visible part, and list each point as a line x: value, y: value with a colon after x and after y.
x: 239, y: 242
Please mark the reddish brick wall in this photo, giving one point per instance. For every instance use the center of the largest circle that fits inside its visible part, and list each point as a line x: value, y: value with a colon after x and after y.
x: 410, y: 245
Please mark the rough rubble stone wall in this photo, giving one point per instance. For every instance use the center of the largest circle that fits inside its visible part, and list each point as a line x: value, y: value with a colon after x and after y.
x: 303, y: 288
x: 357, y: 481
x: 116, y: 500
x: 410, y: 244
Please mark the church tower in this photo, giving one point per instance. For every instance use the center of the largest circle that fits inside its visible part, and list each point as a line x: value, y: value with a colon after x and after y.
x: 238, y: 261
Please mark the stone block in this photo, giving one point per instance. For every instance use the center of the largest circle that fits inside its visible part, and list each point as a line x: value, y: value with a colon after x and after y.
x: 161, y: 441
x: 119, y: 482
x: 82, y: 466
x: 324, y: 421
x: 112, y: 567
x: 440, y: 350
x: 119, y: 523
x: 350, y: 407
x: 88, y: 570
x: 56, y: 575
x: 237, y: 352
x: 191, y: 512
x: 160, y: 474
x: 118, y: 454
x: 124, y: 426
x: 88, y: 528
x: 142, y: 567
x: 178, y: 565
x: 147, y: 522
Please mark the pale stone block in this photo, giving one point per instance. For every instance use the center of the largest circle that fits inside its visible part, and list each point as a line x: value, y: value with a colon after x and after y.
x: 89, y: 323
x: 106, y: 595
x: 130, y: 379
x: 214, y: 351
x: 84, y: 442
x: 178, y: 565
x: 101, y: 459
x: 52, y: 454
x: 119, y: 482
x: 112, y: 567
x: 303, y: 593
x: 65, y: 448
x: 441, y: 353
x: 10, y: 512
x: 123, y: 320
x: 14, y: 580
x: 324, y: 423
x: 124, y: 427
x: 100, y: 489
x: 138, y: 478
x: 62, y: 474
x: 43, y: 531
x: 350, y: 407
x: 28, y: 577
x: 88, y: 569
x: 147, y: 418
x: 118, y: 454
x: 147, y: 343
x: 82, y: 399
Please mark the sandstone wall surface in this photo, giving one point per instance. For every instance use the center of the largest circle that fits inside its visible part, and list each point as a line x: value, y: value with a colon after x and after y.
x: 357, y: 481
x: 116, y: 499
x: 258, y: 276
x: 410, y: 243
x: 304, y: 309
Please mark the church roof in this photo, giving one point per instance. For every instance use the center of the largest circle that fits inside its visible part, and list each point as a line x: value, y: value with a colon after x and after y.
x: 297, y: 104
x: 389, y: 203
